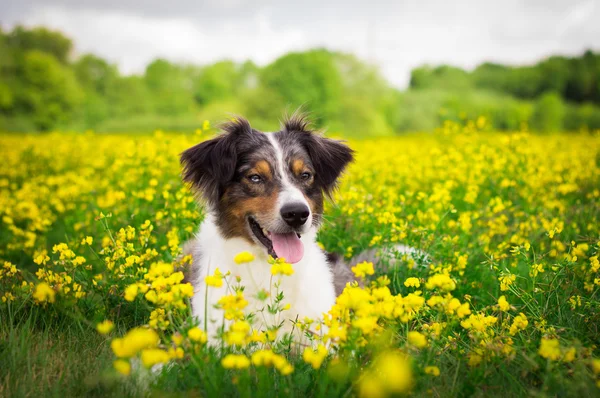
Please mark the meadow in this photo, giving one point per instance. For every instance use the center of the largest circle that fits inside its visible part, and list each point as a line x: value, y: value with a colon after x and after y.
x: 506, y: 304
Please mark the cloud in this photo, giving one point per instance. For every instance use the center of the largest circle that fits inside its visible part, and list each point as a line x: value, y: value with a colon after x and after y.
x: 132, y: 41
x: 397, y: 36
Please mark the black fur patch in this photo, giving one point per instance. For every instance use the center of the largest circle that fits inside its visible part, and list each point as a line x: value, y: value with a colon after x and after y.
x: 329, y: 157
x: 210, y: 165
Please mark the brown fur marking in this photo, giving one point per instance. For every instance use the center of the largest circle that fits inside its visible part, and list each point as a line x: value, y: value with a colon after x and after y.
x: 262, y: 168
x: 262, y: 208
x: 298, y: 166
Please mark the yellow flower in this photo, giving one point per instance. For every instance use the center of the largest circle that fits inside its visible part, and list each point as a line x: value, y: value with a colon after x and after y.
x: 237, y: 334
x: 122, y: 366
x: 375, y: 240
x: 536, y: 269
x: 271, y: 334
x: 361, y: 270
x: 177, y: 339
x: 158, y: 319
x: 134, y: 341
x: 594, y: 264
x: 269, y: 358
x: 417, y: 339
x: 233, y: 304
x: 550, y: 349
x: 366, y: 324
x: 154, y: 356
x: 258, y: 337
x: 478, y: 322
x: 353, y: 298
x: 569, y: 355
x: 105, y: 327
x: 390, y: 373
x: 43, y: 292
x: 282, y: 268
x: 315, y: 357
x: 215, y: 280
x: 235, y: 361
x: 131, y: 292
x: 441, y: 281
x: 243, y: 257
x: 575, y: 301
x: 412, y: 282
x: 432, y: 370
x: 452, y: 305
x: 286, y: 369
x: 87, y: 240
x: 371, y: 387
x: 503, y: 304
x: 41, y: 259
x: 198, y: 335
x: 151, y: 296
x: 176, y: 353
x: 463, y: 310
x: 506, y: 281
x: 519, y: 323
x: 475, y: 358
x: 263, y: 358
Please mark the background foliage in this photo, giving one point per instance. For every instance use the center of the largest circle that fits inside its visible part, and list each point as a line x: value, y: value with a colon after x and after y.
x: 43, y: 87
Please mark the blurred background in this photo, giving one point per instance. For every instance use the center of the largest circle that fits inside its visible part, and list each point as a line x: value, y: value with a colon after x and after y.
x: 361, y: 68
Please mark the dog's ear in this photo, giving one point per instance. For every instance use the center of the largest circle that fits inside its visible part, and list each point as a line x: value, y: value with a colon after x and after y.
x: 329, y: 157
x: 211, y: 164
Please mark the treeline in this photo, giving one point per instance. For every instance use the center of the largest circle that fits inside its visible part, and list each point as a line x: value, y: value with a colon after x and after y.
x: 43, y: 87
x: 556, y: 93
x: 574, y: 79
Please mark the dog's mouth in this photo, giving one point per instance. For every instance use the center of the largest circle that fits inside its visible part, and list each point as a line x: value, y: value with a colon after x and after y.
x: 279, y: 245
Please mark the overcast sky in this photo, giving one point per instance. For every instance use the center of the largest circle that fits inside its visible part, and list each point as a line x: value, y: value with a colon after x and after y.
x: 396, y: 35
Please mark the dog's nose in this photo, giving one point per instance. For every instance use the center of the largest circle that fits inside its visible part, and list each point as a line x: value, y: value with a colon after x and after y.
x: 295, y: 214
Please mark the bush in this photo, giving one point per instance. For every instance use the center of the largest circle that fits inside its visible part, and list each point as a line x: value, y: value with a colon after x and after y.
x: 549, y: 113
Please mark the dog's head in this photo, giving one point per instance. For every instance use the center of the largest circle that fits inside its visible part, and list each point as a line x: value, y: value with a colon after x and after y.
x: 267, y: 188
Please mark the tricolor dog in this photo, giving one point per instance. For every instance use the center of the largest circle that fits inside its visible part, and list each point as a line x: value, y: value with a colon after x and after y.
x: 264, y: 194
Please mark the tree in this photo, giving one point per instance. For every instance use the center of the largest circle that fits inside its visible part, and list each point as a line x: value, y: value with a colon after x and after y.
x: 367, y: 100
x: 584, y: 78
x: 41, y: 39
x: 549, y: 113
x: 6, y: 74
x: 130, y: 98
x: 310, y: 80
x: 171, y: 87
x: 98, y: 79
x: 217, y: 82
x: 442, y: 77
x: 50, y: 92
x: 95, y: 74
x: 555, y: 75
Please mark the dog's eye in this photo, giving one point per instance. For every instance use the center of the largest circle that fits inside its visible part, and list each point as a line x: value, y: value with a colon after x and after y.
x: 305, y: 176
x: 255, y: 178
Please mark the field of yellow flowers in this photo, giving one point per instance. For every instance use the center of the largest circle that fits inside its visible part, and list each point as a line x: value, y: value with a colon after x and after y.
x: 506, y: 303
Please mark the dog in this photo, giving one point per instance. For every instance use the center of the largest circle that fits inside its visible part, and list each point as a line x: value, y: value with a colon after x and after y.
x: 264, y: 194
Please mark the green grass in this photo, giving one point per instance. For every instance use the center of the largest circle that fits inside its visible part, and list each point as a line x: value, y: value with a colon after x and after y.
x: 45, y: 354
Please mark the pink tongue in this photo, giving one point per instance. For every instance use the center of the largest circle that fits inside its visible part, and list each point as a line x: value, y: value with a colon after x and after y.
x: 288, y: 246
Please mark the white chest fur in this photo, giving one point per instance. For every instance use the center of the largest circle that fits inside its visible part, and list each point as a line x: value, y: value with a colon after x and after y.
x: 309, y: 290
